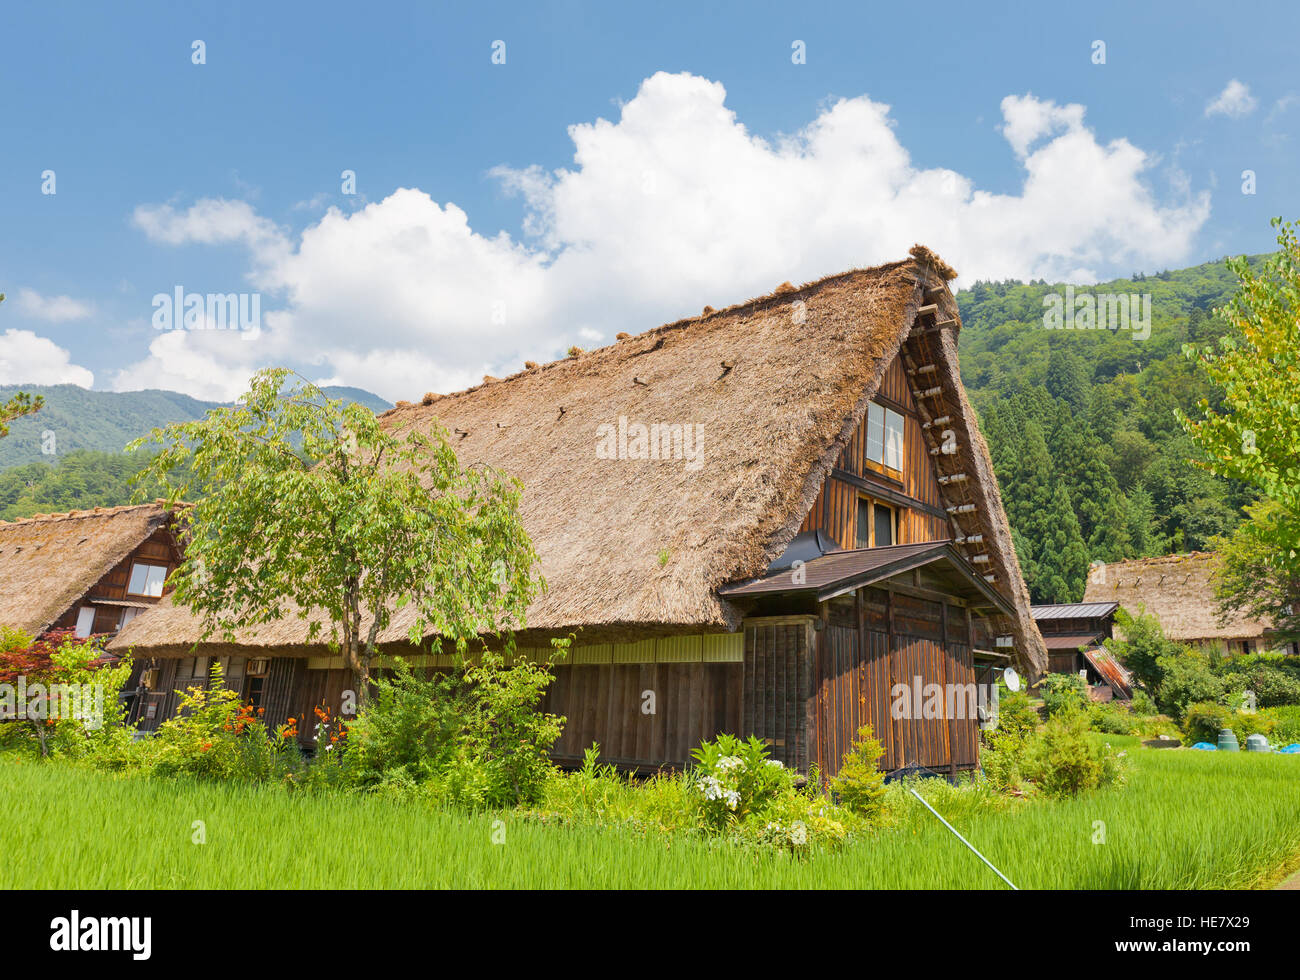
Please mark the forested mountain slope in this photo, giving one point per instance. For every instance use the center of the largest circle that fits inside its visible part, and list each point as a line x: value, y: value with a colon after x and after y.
x: 1080, y: 422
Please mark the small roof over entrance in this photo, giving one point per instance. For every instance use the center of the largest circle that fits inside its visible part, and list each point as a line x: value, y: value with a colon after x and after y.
x: 843, y: 571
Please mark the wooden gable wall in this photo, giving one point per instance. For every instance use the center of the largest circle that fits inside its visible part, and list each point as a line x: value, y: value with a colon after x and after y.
x: 922, y: 517
x: 157, y: 549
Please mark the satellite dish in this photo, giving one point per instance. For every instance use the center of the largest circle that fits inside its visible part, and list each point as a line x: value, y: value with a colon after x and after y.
x: 1011, y: 679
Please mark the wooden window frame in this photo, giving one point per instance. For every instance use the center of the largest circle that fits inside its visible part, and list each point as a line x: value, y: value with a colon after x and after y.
x: 896, y: 520
x: 878, y: 466
x: 146, y: 564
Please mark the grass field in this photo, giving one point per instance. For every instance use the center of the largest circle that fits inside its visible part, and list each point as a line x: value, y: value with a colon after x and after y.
x: 1185, y: 820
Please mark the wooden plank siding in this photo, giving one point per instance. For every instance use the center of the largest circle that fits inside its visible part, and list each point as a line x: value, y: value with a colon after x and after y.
x: 606, y: 704
x: 898, y: 638
x: 777, y: 687
x: 835, y: 509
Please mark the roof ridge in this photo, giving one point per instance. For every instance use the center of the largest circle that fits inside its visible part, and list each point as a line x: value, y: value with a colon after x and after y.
x: 783, y: 293
x: 1177, y: 556
x: 79, y: 514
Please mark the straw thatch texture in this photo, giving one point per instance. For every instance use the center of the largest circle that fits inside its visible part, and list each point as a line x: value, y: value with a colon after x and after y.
x: 1179, y: 591
x: 50, y: 561
x: 774, y: 387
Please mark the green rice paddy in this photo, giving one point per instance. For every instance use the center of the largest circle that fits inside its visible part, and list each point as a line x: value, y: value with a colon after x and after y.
x: 1185, y: 819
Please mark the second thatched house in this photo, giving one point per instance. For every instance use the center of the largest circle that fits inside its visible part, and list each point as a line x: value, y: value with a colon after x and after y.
x: 90, y: 571
x: 1179, y: 591
x: 775, y: 519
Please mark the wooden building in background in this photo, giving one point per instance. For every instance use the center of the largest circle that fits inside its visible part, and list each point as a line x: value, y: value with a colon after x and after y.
x: 776, y: 519
x: 90, y: 571
x: 1074, y: 634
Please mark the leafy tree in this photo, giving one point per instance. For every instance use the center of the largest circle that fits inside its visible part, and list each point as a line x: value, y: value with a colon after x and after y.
x: 1142, y: 647
x: 1067, y: 379
x: 309, y: 507
x: 1251, y: 578
x: 1256, y: 436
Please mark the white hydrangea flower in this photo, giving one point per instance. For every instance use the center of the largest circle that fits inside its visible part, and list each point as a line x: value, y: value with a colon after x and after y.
x: 798, y: 833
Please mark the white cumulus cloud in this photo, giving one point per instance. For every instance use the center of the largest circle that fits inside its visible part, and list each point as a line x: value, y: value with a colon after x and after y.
x: 674, y: 205
x: 29, y: 359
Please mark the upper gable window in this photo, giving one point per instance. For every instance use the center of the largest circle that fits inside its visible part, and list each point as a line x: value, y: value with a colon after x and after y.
x: 884, y: 439
x: 147, y: 580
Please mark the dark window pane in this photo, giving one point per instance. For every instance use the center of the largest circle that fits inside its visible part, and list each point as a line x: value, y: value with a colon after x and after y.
x: 864, y: 524
x: 884, y: 526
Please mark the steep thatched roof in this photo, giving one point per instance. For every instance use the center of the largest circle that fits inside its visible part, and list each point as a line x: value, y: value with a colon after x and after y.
x: 49, y: 561
x: 774, y: 387
x: 1178, y: 590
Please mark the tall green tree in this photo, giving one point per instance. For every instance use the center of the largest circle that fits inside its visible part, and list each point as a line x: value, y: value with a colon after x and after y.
x: 1255, y: 436
x: 1080, y: 462
x: 1068, y: 379
x: 1049, y: 544
x: 306, y: 506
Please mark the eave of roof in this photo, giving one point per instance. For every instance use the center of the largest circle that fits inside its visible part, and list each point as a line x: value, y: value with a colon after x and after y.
x: 1071, y: 641
x: 1073, y: 610
x: 844, y: 571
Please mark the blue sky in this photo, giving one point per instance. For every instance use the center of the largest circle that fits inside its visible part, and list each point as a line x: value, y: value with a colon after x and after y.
x: 476, y: 238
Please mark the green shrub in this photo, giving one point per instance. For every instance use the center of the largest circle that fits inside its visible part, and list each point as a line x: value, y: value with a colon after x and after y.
x: 406, y: 732
x: 1142, y: 705
x: 1203, y: 720
x: 1063, y: 693
x: 860, y: 785
x: 1271, y: 683
x: 474, y: 737
x: 800, y: 822
x: 507, y: 736
x: 1015, y: 713
x: 1286, y: 723
x: 215, y: 736
x: 1063, y: 760
x: 1111, y: 717
x: 736, y: 779
x: 1003, y: 758
x: 1187, y: 679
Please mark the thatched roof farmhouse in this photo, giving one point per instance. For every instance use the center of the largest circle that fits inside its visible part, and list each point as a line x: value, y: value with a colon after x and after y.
x: 1179, y: 590
x: 87, y: 570
x: 667, y: 475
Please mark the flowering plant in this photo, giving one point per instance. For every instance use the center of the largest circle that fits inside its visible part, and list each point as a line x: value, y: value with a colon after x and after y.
x: 216, y: 735
x: 736, y: 779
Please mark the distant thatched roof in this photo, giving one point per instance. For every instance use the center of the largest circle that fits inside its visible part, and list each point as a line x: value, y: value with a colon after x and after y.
x: 1178, y: 590
x: 49, y: 561
x: 775, y: 387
